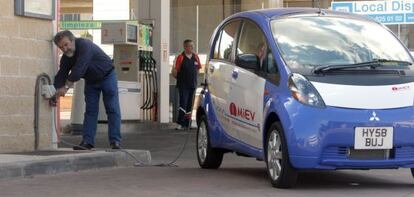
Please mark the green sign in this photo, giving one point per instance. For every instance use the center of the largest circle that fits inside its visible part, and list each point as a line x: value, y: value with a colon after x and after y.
x: 73, y: 25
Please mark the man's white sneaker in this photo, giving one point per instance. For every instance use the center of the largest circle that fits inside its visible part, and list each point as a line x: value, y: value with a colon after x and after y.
x: 179, y: 127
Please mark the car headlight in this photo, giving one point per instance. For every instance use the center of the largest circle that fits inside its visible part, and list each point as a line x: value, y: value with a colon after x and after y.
x: 303, y: 91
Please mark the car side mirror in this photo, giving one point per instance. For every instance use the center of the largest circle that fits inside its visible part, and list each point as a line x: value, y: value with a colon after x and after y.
x: 248, y: 61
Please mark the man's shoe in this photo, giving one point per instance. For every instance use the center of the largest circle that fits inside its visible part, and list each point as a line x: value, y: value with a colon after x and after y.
x: 179, y: 127
x: 115, y: 145
x: 83, y: 146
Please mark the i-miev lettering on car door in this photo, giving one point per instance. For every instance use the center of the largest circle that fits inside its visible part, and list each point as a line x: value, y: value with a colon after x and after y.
x: 241, y: 112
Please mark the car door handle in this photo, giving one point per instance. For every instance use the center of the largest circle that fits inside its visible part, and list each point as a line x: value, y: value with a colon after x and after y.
x: 235, y: 74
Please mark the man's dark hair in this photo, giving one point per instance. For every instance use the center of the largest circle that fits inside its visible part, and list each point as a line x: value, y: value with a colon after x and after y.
x: 187, y: 41
x: 60, y: 35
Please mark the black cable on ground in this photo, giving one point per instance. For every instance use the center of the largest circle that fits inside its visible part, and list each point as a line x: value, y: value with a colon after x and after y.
x: 139, y: 163
x: 172, y: 162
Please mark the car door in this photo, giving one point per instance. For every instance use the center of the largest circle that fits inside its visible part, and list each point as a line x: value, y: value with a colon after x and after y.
x: 219, y: 73
x: 247, y: 86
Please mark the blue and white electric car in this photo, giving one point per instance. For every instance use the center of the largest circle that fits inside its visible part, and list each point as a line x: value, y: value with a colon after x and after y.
x: 307, y: 89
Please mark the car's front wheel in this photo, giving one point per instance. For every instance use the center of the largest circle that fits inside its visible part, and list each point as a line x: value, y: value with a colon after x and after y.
x: 279, y: 169
x: 412, y: 172
x: 207, y: 156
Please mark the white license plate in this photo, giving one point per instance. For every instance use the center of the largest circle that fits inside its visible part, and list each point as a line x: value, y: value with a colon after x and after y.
x: 374, y: 137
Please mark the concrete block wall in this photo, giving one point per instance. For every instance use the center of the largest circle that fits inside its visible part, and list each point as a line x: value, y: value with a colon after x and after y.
x: 26, y: 50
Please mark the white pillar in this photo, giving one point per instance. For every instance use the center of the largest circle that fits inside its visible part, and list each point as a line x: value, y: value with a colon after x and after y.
x: 275, y: 3
x: 78, y: 107
x: 159, y: 12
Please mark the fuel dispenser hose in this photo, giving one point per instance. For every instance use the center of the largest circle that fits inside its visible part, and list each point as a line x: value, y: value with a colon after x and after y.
x: 44, y: 79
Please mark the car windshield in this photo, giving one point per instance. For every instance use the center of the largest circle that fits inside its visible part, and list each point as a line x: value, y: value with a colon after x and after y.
x: 310, y: 42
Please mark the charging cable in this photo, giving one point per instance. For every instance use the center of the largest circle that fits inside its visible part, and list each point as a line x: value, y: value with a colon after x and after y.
x: 48, y: 92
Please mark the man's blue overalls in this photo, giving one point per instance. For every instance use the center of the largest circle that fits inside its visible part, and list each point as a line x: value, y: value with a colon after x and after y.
x: 186, y: 83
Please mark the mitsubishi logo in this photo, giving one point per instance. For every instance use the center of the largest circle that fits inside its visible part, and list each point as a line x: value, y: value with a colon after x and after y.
x: 374, y: 117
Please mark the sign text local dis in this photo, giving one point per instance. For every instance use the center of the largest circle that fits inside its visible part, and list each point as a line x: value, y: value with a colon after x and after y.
x: 387, y: 12
x: 383, y: 7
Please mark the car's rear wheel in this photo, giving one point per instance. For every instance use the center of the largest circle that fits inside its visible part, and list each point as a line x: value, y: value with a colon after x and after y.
x: 412, y: 172
x: 208, y: 157
x: 279, y: 169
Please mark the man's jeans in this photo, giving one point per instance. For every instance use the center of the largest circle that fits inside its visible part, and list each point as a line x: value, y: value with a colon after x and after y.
x: 109, y: 88
x: 186, y: 106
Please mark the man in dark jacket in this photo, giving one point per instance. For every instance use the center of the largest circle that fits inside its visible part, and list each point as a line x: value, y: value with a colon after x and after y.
x: 187, y: 65
x: 84, y: 59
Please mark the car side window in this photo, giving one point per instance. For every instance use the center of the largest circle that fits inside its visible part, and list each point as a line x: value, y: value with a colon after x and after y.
x: 251, y: 48
x: 253, y: 53
x: 270, y: 64
x: 271, y: 71
x: 228, y: 34
x: 217, y: 46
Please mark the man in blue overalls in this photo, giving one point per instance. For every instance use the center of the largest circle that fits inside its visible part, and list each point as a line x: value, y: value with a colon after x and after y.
x: 187, y: 65
x: 84, y: 59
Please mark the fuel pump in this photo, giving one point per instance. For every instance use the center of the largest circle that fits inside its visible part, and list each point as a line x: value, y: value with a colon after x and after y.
x: 135, y: 68
x: 149, y: 76
x: 145, y: 65
x: 124, y: 35
x: 154, y: 79
x: 149, y: 68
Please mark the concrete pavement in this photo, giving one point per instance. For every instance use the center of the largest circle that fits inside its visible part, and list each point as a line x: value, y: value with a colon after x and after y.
x: 28, y: 164
x: 238, y: 176
x: 65, y: 160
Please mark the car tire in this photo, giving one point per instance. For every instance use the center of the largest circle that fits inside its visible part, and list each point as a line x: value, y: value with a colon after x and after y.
x: 279, y: 169
x: 208, y: 157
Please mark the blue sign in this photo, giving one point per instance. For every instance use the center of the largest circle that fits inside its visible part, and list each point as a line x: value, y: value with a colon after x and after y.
x: 342, y: 6
x: 409, y: 18
x: 386, y: 12
x: 388, y: 18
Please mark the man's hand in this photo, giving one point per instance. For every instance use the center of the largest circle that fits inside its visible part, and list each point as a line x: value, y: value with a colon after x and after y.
x: 69, y: 84
x: 61, y: 92
x: 53, y: 101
